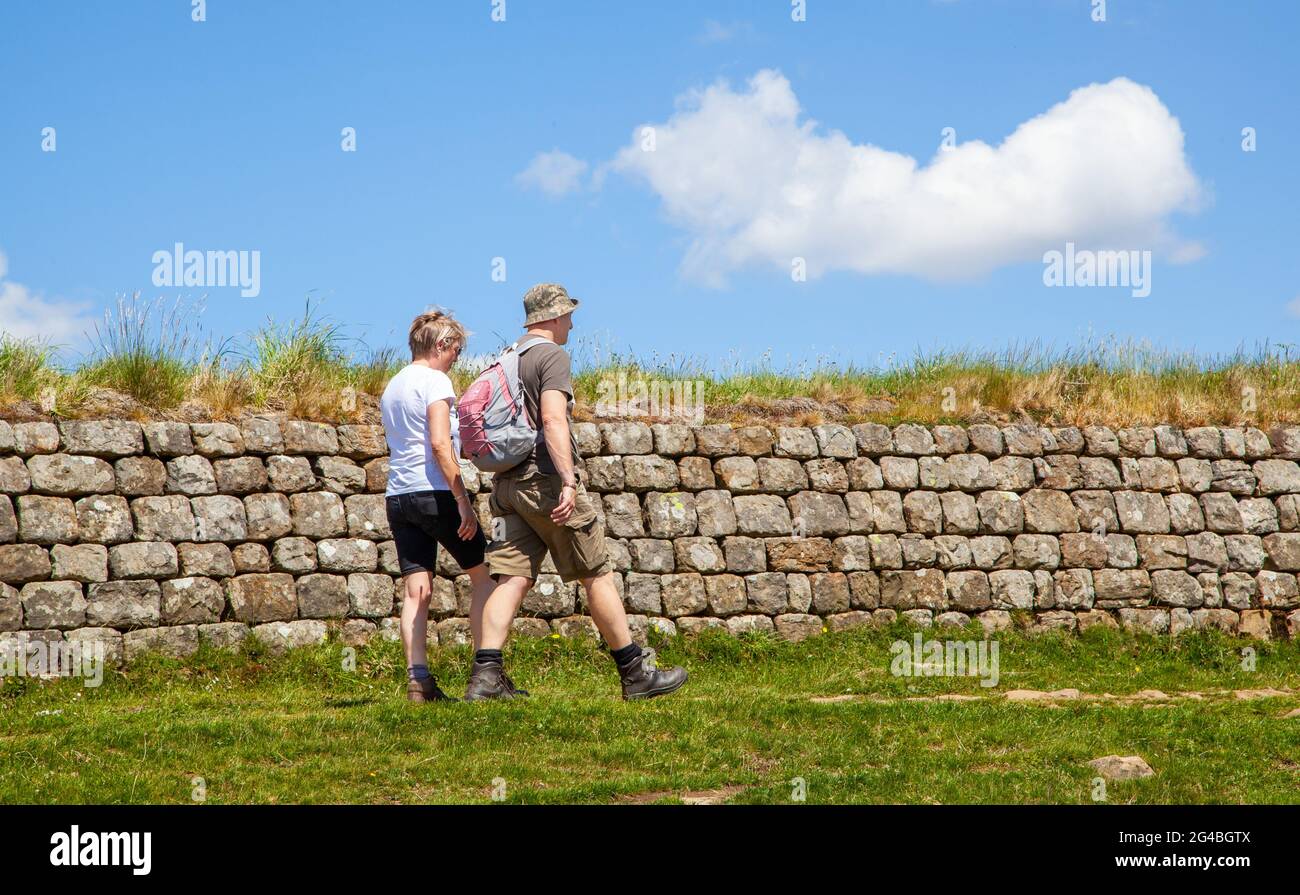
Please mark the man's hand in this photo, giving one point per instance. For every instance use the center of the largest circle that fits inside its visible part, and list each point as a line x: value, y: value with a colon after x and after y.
x: 468, y: 521
x: 564, y: 509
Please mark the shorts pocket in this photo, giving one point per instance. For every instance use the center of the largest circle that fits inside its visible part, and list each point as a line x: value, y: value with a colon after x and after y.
x: 584, y: 512
x: 547, y: 487
x: 426, y: 503
x: 587, y: 543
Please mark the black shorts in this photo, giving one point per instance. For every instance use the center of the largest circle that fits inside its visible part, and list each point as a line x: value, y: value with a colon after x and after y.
x: 420, y: 522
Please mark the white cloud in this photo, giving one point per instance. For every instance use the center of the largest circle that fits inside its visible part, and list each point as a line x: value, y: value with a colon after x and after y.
x: 1187, y: 252
x: 555, y: 173
x: 716, y: 32
x: 757, y: 184
x: 27, y: 315
x: 1293, y: 307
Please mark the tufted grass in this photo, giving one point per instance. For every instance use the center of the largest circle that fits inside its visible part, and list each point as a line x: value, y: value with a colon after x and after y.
x: 154, y: 355
x: 28, y: 373
x: 146, y: 349
x: 300, y: 365
x: 1108, y: 382
x: 302, y: 728
x: 24, y: 368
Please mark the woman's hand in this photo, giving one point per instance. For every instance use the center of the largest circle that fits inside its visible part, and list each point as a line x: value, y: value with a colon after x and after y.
x: 444, y: 455
x: 468, y: 521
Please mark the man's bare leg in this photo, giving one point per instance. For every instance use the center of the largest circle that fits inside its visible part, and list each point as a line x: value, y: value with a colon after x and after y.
x: 500, y: 609
x: 481, y: 587
x: 488, y: 679
x: 641, y: 679
x: 606, y: 609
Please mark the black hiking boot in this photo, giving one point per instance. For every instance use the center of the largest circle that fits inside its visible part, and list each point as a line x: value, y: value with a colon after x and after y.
x: 644, y: 681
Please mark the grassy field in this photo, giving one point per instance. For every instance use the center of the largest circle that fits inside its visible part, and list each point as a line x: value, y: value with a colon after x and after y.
x: 152, y: 359
x: 756, y: 715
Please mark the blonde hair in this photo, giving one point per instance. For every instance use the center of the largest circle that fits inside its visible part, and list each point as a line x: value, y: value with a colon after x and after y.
x: 434, y: 330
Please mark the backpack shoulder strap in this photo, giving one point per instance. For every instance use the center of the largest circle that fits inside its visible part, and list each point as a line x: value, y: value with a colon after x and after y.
x: 524, y: 344
x: 510, y: 361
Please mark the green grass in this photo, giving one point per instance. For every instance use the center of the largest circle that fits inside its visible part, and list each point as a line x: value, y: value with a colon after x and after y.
x: 301, y: 728
x: 153, y: 353
x: 25, y: 367
x: 371, y: 375
x: 149, y: 350
x: 28, y: 373
x: 302, y: 365
x: 1103, y: 382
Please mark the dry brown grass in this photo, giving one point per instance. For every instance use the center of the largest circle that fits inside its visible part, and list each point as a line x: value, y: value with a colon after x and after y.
x: 304, y: 370
x: 224, y: 393
x: 1111, y: 383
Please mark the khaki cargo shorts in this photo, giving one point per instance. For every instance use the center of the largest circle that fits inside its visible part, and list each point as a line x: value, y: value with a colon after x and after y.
x: 522, y: 530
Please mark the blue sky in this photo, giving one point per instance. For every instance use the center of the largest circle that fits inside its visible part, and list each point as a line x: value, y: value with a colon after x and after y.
x: 225, y: 135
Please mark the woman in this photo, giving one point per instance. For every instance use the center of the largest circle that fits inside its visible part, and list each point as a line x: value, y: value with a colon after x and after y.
x: 426, y: 500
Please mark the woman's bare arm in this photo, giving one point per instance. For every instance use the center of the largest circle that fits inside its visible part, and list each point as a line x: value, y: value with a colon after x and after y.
x: 445, y: 456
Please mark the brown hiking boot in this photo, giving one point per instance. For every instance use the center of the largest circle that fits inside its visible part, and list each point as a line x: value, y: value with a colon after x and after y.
x: 644, y: 681
x: 489, y: 681
x: 515, y: 691
x: 426, y: 690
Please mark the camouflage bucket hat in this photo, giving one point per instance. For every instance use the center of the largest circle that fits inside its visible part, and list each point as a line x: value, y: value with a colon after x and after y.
x: 546, y: 301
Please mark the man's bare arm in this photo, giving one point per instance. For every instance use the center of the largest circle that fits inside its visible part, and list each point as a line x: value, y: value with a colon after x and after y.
x: 555, y: 429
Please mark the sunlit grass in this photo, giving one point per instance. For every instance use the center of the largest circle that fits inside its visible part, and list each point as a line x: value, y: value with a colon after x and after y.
x: 223, y: 390
x: 371, y: 376
x: 310, y: 727
x: 1107, y: 382
x: 146, y: 349
x: 300, y: 367
x: 26, y: 368
x: 313, y: 369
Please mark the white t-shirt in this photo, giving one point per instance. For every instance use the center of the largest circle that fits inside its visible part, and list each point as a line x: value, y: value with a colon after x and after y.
x: 405, y: 409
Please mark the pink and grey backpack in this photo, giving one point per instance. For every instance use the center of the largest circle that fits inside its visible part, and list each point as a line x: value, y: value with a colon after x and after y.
x: 496, y: 433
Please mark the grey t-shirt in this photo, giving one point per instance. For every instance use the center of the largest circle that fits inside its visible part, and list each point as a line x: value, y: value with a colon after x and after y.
x: 543, y: 367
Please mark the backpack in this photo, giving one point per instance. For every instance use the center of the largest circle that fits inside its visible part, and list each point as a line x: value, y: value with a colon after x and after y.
x: 496, y: 433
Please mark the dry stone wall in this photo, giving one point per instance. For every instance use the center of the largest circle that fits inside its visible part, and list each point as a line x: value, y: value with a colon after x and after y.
x: 163, y: 535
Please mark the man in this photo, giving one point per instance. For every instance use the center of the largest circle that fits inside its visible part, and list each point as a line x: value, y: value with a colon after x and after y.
x: 541, y: 505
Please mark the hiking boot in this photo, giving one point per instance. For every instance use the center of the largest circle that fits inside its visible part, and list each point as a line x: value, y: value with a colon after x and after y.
x: 644, y: 681
x: 489, y: 681
x: 515, y: 691
x: 426, y: 690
